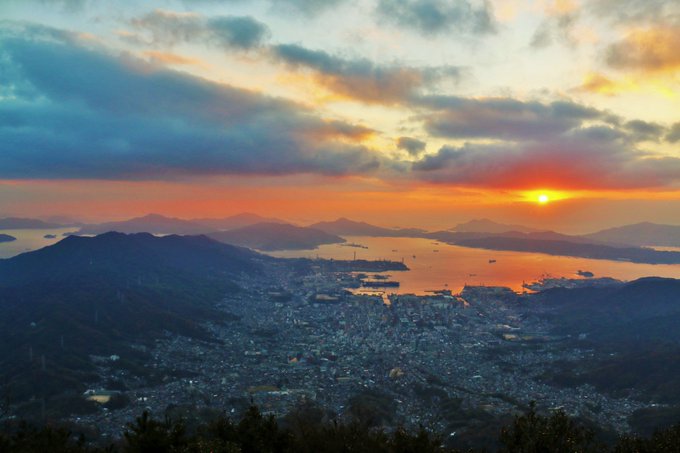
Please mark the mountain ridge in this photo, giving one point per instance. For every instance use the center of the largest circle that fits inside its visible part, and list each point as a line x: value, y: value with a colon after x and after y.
x: 277, y: 236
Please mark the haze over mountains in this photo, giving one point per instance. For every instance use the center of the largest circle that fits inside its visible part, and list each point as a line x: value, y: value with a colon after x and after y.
x: 20, y: 223
x: 271, y: 234
x: 276, y: 236
x: 642, y: 234
x: 489, y: 226
x: 347, y: 227
x: 151, y: 223
x: 159, y: 224
x: 236, y: 221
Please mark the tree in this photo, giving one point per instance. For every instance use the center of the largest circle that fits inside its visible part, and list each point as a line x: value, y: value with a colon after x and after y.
x: 147, y: 435
x: 558, y: 433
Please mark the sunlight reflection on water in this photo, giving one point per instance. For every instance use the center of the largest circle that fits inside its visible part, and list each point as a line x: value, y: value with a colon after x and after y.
x: 456, y: 266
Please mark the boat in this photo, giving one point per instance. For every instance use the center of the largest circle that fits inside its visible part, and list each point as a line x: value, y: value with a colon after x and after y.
x: 492, y: 261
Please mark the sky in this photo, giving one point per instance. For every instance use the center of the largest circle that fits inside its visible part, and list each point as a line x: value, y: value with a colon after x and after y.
x: 399, y: 112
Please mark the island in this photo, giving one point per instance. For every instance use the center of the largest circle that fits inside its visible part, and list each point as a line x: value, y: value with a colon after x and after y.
x: 7, y: 238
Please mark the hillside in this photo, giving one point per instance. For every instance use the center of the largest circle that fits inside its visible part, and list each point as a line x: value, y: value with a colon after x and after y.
x: 151, y: 223
x: 99, y: 296
x: 489, y: 226
x: 7, y: 238
x: 119, y: 255
x: 347, y: 227
x: 640, y: 234
x: 633, y: 328
x: 18, y: 223
x: 569, y: 248
x: 277, y: 236
x: 235, y: 221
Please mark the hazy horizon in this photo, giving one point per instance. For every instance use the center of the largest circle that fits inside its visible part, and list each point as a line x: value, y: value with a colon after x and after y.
x: 444, y: 222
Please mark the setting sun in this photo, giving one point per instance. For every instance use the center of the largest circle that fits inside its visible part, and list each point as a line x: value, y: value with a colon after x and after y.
x: 543, y: 198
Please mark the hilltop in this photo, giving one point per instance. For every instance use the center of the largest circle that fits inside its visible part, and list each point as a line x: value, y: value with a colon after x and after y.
x: 642, y: 234
x: 277, y: 236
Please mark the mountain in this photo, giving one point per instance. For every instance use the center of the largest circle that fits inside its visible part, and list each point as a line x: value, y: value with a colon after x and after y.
x: 235, y: 221
x: 472, y: 238
x: 551, y: 236
x: 151, y: 223
x: 112, y: 294
x: 17, y: 223
x: 7, y: 238
x: 489, y: 226
x: 640, y: 234
x: 569, y: 248
x: 63, y: 220
x: 127, y: 255
x: 347, y: 227
x: 633, y: 329
x: 277, y: 236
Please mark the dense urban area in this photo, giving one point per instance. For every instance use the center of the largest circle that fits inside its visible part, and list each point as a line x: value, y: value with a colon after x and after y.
x: 445, y: 361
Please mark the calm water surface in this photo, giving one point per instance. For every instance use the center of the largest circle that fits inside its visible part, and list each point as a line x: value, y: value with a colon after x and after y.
x: 29, y: 240
x: 433, y: 265
x: 451, y: 267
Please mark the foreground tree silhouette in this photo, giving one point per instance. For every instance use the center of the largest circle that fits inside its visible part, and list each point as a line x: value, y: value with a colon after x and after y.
x: 29, y: 439
x: 558, y: 433
x: 258, y: 433
x: 147, y: 435
x: 667, y: 440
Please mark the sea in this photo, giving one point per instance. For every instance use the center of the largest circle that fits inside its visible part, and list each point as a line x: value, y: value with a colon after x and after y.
x: 28, y: 240
x: 435, y: 266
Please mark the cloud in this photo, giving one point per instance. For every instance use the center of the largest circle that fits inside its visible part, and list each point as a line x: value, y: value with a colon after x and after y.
x: 76, y: 112
x: 555, y: 27
x: 438, y: 17
x: 306, y: 7
x: 673, y: 135
x: 650, y: 50
x: 411, y: 145
x: 561, y: 145
x: 171, y: 58
x: 502, y: 118
x: 598, y: 83
x: 643, y: 131
x: 361, y: 78
x: 636, y: 11
x: 358, y: 78
x: 575, y: 163
x: 229, y: 32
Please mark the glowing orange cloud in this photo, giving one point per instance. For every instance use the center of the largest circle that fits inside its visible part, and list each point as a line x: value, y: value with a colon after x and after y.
x: 172, y: 59
x: 651, y: 49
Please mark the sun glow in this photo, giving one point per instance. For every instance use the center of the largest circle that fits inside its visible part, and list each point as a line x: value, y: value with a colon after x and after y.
x: 544, y: 196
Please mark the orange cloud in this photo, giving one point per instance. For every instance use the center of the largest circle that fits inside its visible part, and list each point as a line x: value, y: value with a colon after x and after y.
x: 647, y: 50
x: 171, y: 58
x: 561, y: 7
x: 598, y: 83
